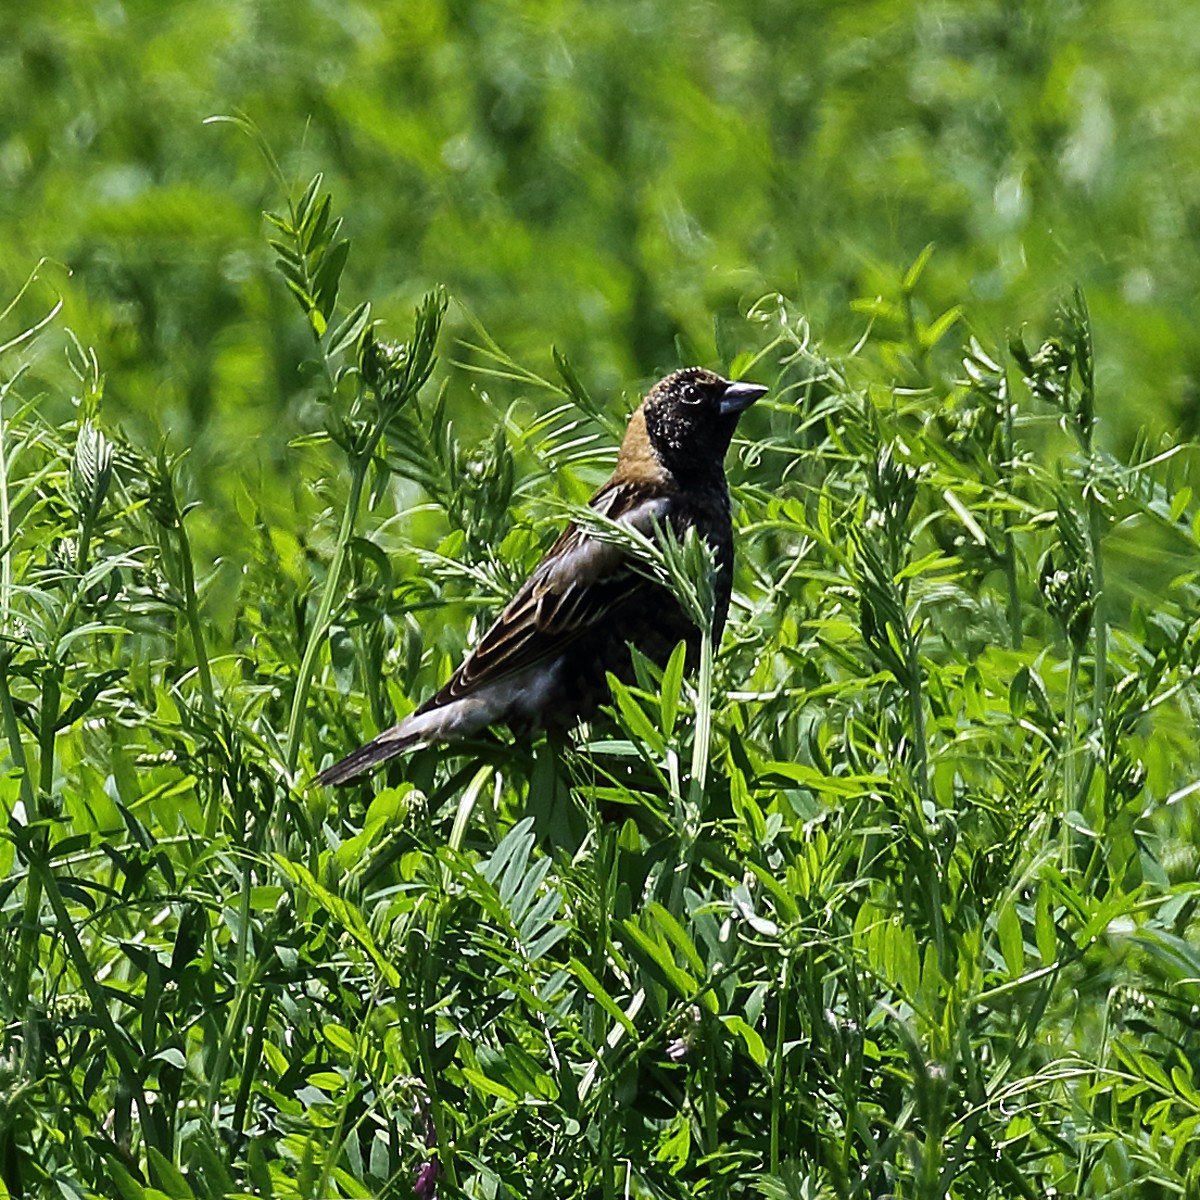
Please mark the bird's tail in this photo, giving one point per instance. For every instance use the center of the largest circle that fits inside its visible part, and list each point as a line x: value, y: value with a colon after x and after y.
x: 437, y: 720
x: 388, y: 744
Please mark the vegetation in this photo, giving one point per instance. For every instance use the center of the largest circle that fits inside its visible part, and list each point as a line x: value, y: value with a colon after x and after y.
x: 897, y: 898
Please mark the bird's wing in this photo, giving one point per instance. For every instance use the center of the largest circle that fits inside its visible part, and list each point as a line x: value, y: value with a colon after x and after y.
x: 580, y: 579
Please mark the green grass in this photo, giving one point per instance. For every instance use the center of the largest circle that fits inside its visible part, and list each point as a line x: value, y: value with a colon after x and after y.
x: 898, y: 898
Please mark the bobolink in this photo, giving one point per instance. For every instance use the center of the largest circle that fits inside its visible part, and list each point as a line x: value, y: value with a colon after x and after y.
x: 542, y: 664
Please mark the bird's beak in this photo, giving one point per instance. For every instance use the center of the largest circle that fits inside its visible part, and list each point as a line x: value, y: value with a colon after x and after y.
x: 739, y: 396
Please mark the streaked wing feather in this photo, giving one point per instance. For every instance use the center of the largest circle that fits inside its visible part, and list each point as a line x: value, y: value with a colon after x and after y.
x: 577, y: 583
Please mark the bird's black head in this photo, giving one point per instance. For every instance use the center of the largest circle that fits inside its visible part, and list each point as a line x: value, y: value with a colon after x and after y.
x: 691, y: 416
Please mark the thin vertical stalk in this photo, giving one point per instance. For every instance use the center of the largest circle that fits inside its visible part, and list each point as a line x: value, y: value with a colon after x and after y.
x: 1010, y: 549
x: 12, y: 731
x: 33, y: 891
x: 693, y: 804
x: 1015, y: 633
x: 5, y: 523
x: 606, y: 872
x: 916, y: 706
x: 337, y: 1137
x: 1014, y: 592
x: 251, y: 1060
x: 325, y: 609
x: 1069, y: 717
x: 1085, y: 417
x: 394, y: 375
x: 1099, y: 621
x: 118, y: 1042
x: 423, y: 1017
x: 30, y: 932
x: 86, y: 526
x: 703, y: 737
x: 248, y: 974
x: 915, y: 688
x: 607, y: 1158
x: 777, y: 1101
x: 39, y: 835
x: 47, y: 729
x: 192, y: 615
x: 709, y: 1129
x: 233, y: 1023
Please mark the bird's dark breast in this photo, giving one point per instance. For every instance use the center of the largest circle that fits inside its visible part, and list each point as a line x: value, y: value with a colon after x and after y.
x: 706, y: 509
x: 651, y: 619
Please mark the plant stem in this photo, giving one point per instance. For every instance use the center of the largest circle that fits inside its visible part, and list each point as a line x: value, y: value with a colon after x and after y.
x: 316, y: 634
x: 12, y: 731
x: 425, y: 1022
x: 1010, y: 551
x: 1099, y: 625
x: 693, y: 804
x: 777, y: 1102
x: 709, y: 1100
x: 5, y: 524
x: 233, y: 1023
x: 916, y: 703
x: 251, y: 1058
x: 118, y: 1042
x: 37, y: 813
x: 1014, y: 591
x: 47, y: 723
x: 703, y: 737
x: 33, y: 890
x: 1069, y: 756
x: 192, y: 613
x: 916, y: 707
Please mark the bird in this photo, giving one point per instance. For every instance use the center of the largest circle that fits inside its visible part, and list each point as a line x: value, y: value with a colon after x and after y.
x: 543, y: 664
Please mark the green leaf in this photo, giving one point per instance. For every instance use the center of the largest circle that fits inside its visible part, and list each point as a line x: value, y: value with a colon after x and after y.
x: 328, y: 279
x: 328, y: 1081
x: 913, y: 275
x: 349, y: 331
x: 672, y: 684
x: 511, y: 855
x: 684, y: 983
x: 259, y: 1169
x: 1044, y: 931
x: 489, y: 1087
x: 207, y: 1167
x: 1018, y: 693
x: 675, y: 1143
x: 166, y: 1176
x: 634, y: 717
x: 312, y: 228
x: 940, y: 327
x: 290, y: 261
x: 755, y: 1046
x: 340, y: 1038
x: 304, y: 207
x: 598, y: 993
x: 1012, y: 947
x: 127, y: 1187
x: 275, y: 1057
x: 1180, y: 502
x: 666, y: 921
x: 347, y: 915
x: 173, y: 1056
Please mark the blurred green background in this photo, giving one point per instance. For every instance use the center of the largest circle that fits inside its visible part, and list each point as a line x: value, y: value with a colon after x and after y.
x: 621, y: 181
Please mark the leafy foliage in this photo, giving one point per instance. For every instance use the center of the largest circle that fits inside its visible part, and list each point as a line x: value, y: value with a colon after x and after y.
x: 617, y: 181
x: 897, y: 898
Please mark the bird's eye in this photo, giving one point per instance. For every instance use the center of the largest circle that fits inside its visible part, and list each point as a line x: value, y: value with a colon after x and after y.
x: 691, y: 394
